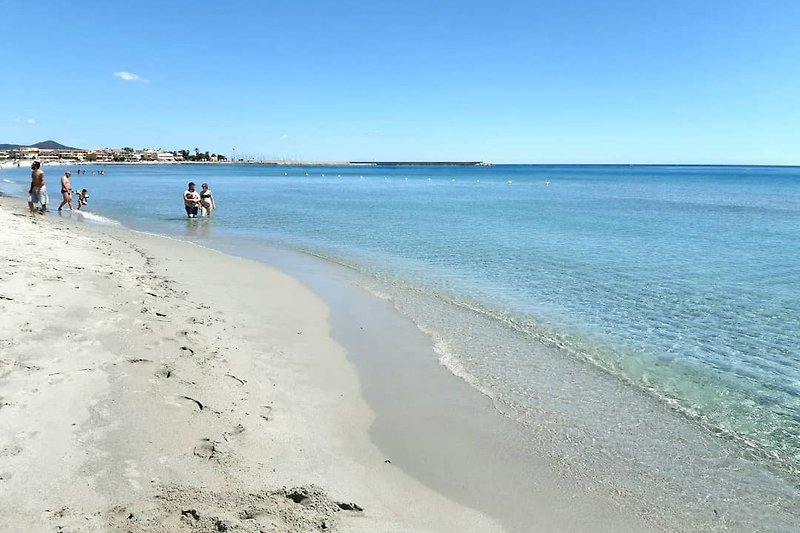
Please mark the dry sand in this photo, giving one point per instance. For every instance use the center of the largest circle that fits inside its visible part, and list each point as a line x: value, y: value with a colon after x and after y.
x: 152, y: 385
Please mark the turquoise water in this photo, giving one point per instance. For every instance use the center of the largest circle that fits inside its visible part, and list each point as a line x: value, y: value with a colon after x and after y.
x: 682, y: 283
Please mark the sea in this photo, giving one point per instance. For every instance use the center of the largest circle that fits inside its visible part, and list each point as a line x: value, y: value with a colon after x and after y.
x: 641, y: 323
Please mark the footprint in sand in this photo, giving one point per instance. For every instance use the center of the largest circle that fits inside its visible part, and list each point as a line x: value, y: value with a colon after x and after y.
x: 196, y: 403
x: 237, y: 430
x: 240, y: 380
x: 205, y: 449
x: 265, y: 412
x: 10, y: 451
x: 9, y: 343
x: 150, y: 311
x: 14, y: 447
x: 166, y: 371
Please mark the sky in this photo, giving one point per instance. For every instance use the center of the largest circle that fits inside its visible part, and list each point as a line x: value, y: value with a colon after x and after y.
x: 563, y: 81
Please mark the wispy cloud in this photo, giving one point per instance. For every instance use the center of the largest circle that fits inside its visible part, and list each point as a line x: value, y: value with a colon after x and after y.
x: 31, y: 121
x: 128, y: 76
x: 284, y: 137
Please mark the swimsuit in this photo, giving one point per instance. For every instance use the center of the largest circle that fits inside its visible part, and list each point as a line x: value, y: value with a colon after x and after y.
x: 191, y: 198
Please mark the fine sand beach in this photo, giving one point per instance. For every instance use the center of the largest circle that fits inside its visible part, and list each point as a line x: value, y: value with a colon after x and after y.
x: 152, y: 385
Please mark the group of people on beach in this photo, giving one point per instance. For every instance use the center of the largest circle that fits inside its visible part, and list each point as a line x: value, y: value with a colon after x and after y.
x: 198, y: 203
x: 37, y: 194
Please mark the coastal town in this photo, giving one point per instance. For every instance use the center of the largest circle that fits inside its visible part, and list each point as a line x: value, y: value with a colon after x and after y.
x: 51, y: 152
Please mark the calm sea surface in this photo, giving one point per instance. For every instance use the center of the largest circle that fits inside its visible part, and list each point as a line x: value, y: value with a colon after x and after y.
x: 680, y: 285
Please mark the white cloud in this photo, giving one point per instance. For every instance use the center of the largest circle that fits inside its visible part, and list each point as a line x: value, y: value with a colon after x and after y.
x: 128, y: 76
x: 284, y: 137
x: 31, y: 121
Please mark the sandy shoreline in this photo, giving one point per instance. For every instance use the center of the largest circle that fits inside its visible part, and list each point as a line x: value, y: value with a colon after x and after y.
x: 141, y: 390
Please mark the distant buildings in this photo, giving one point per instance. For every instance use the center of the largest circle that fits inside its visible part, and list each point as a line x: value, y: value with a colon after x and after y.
x: 107, y: 155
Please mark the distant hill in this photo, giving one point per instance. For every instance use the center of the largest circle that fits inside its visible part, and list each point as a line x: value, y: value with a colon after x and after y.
x: 52, y: 145
x: 47, y: 145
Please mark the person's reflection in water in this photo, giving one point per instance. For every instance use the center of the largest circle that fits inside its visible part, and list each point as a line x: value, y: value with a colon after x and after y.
x: 198, y: 228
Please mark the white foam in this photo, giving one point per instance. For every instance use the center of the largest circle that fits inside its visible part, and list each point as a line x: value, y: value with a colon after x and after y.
x: 99, y: 219
x: 450, y: 360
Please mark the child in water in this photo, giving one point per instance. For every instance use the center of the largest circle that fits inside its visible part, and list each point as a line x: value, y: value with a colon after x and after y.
x: 83, y: 198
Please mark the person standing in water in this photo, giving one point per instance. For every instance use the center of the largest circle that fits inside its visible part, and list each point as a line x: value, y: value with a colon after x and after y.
x: 207, y: 204
x: 38, y: 191
x: 66, y: 191
x: 191, y: 201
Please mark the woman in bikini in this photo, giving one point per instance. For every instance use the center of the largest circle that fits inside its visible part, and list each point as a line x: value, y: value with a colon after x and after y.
x: 207, y: 203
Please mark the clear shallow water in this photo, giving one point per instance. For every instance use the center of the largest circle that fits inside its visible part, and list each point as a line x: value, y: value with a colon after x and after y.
x: 680, y: 283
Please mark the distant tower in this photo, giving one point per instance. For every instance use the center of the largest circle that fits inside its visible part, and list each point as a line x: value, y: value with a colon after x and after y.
x: 233, y: 157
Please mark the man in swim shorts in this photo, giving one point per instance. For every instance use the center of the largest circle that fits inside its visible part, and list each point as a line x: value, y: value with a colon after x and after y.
x: 191, y: 201
x: 66, y: 191
x: 38, y: 191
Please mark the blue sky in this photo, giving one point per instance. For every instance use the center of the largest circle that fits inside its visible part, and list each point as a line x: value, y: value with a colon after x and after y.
x: 567, y: 81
